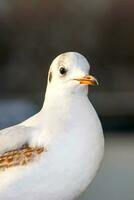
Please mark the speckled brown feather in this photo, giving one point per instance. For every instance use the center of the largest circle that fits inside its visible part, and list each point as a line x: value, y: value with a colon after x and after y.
x: 20, y: 156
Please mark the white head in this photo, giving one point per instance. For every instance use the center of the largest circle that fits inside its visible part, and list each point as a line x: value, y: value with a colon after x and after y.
x: 69, y: 73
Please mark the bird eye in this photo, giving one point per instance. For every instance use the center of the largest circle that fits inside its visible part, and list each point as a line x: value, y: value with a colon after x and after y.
x: 62, y: 70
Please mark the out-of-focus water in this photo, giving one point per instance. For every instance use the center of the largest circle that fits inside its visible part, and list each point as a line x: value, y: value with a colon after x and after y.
x: 115, y: 180
x: 14, y: 111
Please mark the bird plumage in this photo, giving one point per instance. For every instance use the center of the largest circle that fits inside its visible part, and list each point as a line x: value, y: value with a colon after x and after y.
x: 20, y: 156
x: 68, y: 128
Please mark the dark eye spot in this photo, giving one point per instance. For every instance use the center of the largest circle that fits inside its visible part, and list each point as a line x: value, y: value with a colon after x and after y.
x: 50, y: 77
x: 63, y: 71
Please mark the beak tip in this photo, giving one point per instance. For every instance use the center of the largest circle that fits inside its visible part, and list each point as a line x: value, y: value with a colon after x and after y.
x: 94, y: 81
x: 88, y: 80
x: 97, y: 83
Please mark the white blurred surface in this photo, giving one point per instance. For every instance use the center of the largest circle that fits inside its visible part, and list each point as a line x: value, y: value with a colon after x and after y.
x: 115, y: 180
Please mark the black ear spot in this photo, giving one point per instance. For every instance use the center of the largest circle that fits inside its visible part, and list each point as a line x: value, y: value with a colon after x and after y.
x: 50, y: 77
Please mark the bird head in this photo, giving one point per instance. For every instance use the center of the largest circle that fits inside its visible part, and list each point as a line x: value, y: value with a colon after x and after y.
x: 69, y: 73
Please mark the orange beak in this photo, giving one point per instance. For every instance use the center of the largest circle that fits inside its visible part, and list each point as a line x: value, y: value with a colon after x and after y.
x: 87, y: 80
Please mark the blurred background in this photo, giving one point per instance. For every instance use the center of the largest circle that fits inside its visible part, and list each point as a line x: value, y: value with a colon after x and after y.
x: 33, y: 32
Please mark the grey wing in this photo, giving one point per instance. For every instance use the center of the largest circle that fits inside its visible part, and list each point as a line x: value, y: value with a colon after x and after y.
x: 14, y: 137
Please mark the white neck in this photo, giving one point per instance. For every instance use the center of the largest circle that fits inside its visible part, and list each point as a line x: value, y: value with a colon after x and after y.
x: 55, y: 96
x: 59, y: 111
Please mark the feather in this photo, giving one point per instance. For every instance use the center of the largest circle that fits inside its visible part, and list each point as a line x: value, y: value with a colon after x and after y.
x: 20, y: 156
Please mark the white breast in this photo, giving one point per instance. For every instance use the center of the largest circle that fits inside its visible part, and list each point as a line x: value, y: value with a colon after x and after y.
x: 68, y: 167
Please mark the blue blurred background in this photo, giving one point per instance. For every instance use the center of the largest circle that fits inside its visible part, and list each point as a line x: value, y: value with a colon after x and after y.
x: 33, y: 32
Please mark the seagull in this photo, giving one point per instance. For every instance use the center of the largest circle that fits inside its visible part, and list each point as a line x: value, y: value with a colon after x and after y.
x: 55, y: 154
